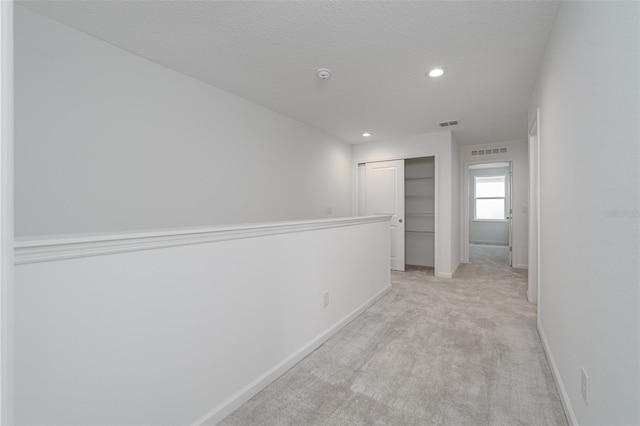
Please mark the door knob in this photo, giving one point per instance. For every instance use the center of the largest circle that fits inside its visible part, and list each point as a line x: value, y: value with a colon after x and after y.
x: 399, y: 220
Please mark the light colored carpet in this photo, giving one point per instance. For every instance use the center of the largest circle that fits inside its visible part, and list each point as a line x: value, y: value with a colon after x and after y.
x: 430, y: 352
x: 495, y: 255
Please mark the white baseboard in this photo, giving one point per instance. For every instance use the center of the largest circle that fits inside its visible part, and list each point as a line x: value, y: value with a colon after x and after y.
x: 521, y: 266
x: 531, y: 297
x: 455, y: 268
x: 564, y: 397
x: 235, y: 401
x: 448, y: 274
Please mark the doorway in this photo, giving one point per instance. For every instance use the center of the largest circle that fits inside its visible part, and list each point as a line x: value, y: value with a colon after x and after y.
x: 490, y: 213
x: 420, y: 212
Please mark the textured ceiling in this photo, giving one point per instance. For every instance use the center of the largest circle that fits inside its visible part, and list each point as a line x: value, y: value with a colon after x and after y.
x: 268, y: 52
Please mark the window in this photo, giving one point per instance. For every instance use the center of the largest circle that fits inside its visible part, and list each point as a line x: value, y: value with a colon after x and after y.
x: 490, y: 203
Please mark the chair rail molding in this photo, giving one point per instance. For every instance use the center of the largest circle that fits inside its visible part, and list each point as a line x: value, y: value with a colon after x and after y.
x: 222, y: 311
x: 36, y: 250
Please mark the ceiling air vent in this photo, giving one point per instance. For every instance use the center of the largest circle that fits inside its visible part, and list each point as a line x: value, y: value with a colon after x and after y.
x: 488, y: 151
x: 448, y: 123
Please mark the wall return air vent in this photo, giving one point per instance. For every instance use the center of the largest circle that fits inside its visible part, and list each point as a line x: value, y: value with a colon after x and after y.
x: 491, y: 151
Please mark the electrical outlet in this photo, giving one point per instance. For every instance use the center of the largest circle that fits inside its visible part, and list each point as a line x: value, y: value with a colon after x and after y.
x: 326, y: 298
x: 585, y: 379
x: 329, y: 210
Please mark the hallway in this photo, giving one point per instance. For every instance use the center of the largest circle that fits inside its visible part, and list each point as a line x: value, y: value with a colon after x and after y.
x: 431, y: 351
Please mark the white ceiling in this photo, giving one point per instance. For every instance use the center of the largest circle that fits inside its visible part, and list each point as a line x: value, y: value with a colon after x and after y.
x: 268, y: 52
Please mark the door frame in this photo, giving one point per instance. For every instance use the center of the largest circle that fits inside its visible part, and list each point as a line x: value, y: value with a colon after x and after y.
x: 358, y: 187
x: 533, y: 282
x: 6, y: 210
x: 465, y: 202
x: 466, y: 217
x: 510, y: 192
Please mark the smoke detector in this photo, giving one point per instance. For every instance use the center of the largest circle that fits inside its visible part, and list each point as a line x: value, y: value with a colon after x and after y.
x: 323, y: 73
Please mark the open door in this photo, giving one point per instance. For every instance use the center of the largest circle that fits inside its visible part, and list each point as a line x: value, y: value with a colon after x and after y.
x: 384, y: 191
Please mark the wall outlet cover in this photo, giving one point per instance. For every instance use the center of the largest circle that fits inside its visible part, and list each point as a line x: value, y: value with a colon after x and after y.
x: 584, y: 382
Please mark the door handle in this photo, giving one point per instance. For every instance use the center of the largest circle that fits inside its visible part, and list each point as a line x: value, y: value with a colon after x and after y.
x: 399, y: 220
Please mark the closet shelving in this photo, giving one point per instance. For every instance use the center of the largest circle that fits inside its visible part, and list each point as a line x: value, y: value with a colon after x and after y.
x: 419, y: 211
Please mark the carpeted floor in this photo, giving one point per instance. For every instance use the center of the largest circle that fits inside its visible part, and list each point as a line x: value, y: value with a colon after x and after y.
x: 489, y: 254
x: 430, y: 352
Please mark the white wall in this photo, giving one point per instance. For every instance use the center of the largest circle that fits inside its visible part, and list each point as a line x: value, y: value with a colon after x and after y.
x: 426, y: 145
x: 588, y: 92
x: 107, y: 140
x: 6, y: 208
x: 187, y: 333
x: 491, y: 232
x: 517, y: 154
x: 456, y: 195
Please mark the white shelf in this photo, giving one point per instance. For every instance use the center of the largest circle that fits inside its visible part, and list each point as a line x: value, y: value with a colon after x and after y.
x: 419, y: 211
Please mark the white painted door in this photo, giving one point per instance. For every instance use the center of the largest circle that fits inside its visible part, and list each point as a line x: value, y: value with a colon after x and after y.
x: 510, y: 211
x: 384, y: 189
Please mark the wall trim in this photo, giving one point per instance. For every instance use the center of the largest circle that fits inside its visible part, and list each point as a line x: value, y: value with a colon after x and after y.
x: 235, y: 401
x: 36, y: 250
x: 562, y: 391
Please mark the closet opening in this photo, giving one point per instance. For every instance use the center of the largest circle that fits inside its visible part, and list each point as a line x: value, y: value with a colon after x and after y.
x: 404, y: 189
x: 419, y: 189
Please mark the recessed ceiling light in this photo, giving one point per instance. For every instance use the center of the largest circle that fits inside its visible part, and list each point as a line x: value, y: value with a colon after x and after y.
x: 366, y: 134
x: 323, y: 73
x: 436, y: 72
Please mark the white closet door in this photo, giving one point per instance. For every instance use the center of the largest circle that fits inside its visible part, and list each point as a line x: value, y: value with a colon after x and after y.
x: 385, y: 195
